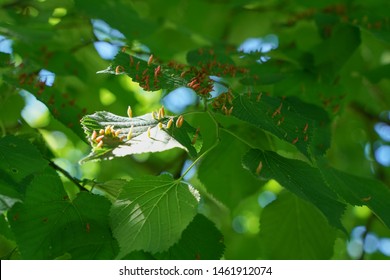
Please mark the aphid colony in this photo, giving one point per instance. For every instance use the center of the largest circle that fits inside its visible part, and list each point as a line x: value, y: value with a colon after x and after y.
x: 224, y: 102
x: 113, y: 137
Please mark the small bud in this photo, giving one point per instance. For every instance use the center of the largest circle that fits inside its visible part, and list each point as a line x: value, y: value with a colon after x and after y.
x: 169, y: 124
x: 179, y: 121
x: 160, y: 125
x: 107, y: 130
x: 129, y: 112
x: 150, y: 60
x: 101, y: 131
x: 94, y: 135
x: 153, y: 115
x: 99, y: 139
x: 99, y: 145
x: 119, y: 69
x: 118, y: 132
x: 230, y: 111
x: 259, y: 167
x: 130, y: 133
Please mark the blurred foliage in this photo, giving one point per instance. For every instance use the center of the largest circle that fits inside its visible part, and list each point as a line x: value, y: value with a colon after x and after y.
x: 278, y: 149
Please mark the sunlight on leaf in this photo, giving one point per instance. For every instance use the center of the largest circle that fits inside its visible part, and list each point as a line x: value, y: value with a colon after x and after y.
x: 151, y: 213
x: 115, y: 136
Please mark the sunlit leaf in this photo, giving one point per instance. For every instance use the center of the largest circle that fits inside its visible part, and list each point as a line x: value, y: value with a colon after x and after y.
x: 137, y: 135
x: 292, y: 228
x: 150, y: 76
x: 298, y: 177
x: 151, y: 213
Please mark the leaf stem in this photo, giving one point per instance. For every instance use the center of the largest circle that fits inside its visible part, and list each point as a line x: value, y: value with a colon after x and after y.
x: 198, y: 159
x: 217, y: 125
x: 238, y: 137
x: 76, y: 181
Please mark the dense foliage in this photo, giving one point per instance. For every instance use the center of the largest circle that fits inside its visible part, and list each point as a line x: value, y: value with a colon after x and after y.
x: 198, y: 129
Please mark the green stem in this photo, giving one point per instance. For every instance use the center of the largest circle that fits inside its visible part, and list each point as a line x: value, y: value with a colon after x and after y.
x: 76, y: 181
x: 217, y: 125
x: 208, y: 150
x: 238, y: 137
x: 198, y: 159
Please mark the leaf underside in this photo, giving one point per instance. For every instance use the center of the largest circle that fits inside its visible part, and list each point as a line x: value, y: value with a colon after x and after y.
x: 148, y: 134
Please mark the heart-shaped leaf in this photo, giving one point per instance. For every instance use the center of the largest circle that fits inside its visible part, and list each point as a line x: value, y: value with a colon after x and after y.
x: 151, y: 213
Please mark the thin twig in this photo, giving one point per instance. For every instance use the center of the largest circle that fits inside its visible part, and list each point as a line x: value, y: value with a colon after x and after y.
x: 74, y: 180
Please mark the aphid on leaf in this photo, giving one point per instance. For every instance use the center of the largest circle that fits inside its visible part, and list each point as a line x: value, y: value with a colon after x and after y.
x: 150, y: 60
x: 259, y: 167
x: 306, y: 138
x: 365, y: 199
x: 94, y: 135
x: 169, y: 124
x: 131, y: 61
x: 130, y: 134
x: 137, y: 66
x: 129, y: 112
x: 295, y: 141
x: 179, y: 121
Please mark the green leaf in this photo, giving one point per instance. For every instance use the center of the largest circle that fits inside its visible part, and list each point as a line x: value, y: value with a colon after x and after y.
x: 48, y: 224
x: 304, y: 125
x: 222, y: 174
x: 151, y: 213
x: 110, y: 188
x: 8, y: 195
x: 334, y: 52
x: 360, y: 191
x: 298, y: 177
x: 120, y: 15
x: 292, y: 228
x: 148, y: 134
x: 19, y: 158
x: 200, y: 240
x: 147, y: 74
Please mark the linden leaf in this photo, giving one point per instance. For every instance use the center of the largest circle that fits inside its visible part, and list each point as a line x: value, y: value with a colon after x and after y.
x: 151, y: 213
x: 115, y: 136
